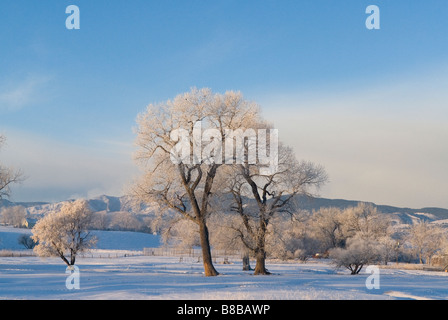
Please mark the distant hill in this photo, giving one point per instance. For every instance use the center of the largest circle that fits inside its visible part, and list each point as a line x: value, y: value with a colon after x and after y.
x: 317, y: 203
x: 400, y: 216
x: 122, y: 204
x: 102, y: 203
x: 7, y: 203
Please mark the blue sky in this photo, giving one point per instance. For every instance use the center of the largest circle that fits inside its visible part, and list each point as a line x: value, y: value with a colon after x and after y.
x: 370, y: 105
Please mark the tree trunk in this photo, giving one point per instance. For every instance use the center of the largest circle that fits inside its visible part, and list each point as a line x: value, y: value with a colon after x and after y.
x: 260, y: 266
x: 209, y: 269
x: 73, y: 259
x: 359, y: 268
x: 201, y: 214
x: 246, y: 262
x: 65, y: 260
x: 260, y: 253
x: 355, y: 268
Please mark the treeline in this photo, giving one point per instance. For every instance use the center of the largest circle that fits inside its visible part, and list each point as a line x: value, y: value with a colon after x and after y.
x: 351, y: 237
x: 17, y: 216
x: 121, y: 221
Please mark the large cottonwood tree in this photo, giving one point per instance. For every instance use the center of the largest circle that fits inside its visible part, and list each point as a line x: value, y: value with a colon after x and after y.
x: 181, y: 148
x: 260, y: 195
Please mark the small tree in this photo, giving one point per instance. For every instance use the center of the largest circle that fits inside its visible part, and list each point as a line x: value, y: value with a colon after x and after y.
x: 292, y: 238
x: 228, y: 232
x: 426, y: 240
x: 26, y: 241
x: 181, y: 233
x: 100, y: 221
x: 8, y: 176
x: 359, y: 252
x: 64, y: 233
x: 361, y: 235
x: 125, y: 220
x: 13, y: 216
x: 327, y: 227
x: 366, y: 222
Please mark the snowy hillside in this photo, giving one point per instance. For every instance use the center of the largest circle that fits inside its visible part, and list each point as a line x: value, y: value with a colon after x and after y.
x: 403, y: 215
x: 107, y: 240
x: 9, y: 238
x: 125, y: 240
x: 105, y: 204
x: 110, y: 204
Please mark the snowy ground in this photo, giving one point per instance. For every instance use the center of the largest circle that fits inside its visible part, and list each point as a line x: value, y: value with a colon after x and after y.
x: 108, y: 240
x: 148, y: 277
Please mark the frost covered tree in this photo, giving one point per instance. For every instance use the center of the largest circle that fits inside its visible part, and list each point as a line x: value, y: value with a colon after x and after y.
x: 100, y: 221
x: 180, y: 144
x: 180, y: 233
x: 26, y: 241
x: 226, y: 233
x: 259, y: 195
x: 358, y: 253
x: 13, y: 216
x: 125, y: 220
x: 8, y: 176
x: 64, y: 233
x: 426, y: 240
x: 356, y: 235
x: 292, y: 238
x: 366, y: 222
x: 328, y: 228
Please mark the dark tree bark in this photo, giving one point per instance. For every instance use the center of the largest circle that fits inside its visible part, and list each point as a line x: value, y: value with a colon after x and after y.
x: 200, y: 211
x: 260, y: 266
x: 209, y: 269
x: 260, y: 251
x: 355, y: 268
x: 246, y: 262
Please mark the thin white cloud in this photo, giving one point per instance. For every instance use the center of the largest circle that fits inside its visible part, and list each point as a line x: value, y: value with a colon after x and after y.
x: 57, y: 171
x: 386, y: 143
x: 17, y: 95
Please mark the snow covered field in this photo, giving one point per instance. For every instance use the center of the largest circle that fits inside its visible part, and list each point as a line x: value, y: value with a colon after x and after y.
x: 108, y: 240
x: 149, y: 277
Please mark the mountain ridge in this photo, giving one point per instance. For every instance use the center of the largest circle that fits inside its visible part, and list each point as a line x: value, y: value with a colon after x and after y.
x: 122, y: 203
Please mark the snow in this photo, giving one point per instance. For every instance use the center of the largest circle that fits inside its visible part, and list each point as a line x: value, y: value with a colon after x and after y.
x: 109, y: 240
x: 109, y: 274
x: 125, y: 240
x: 405, y: 295
x: 148, y: 277
x: 9, y: 238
